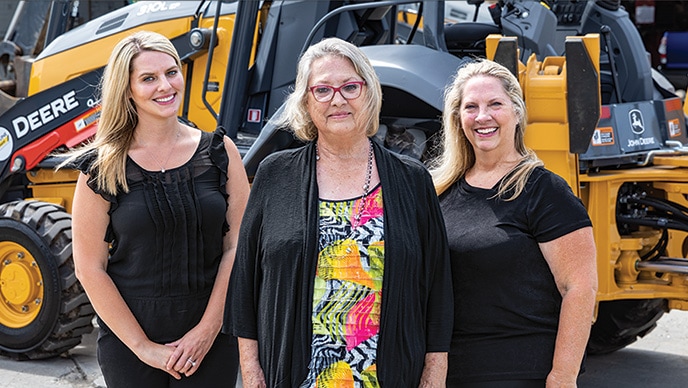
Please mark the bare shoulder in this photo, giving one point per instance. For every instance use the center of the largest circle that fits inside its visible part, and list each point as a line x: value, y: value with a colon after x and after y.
x: 230, y: 147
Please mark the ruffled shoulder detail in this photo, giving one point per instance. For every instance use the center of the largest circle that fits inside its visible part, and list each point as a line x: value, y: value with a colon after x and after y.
x: 219, y: 158
x: 218, y: 154
x: 85, y: 164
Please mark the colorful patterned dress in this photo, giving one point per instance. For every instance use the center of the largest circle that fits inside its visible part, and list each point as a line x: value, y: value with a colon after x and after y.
x: 347, y: 294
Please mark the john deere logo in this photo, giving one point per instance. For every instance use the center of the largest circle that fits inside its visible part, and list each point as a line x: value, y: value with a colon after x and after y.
x: 6, y: 144
x: 637, y: 123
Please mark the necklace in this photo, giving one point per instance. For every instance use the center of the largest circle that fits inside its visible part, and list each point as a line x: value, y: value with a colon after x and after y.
x: 162, y: 165
x: 358, y: 212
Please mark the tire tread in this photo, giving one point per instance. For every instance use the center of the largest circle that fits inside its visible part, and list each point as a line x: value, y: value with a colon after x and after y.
x: 53, y: 224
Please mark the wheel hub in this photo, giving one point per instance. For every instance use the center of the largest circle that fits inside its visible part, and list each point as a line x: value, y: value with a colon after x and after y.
x: 21, y: 286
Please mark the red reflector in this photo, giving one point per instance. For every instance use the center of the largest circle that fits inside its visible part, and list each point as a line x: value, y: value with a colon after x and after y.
x: 605, y: 112
x: 672, y: 104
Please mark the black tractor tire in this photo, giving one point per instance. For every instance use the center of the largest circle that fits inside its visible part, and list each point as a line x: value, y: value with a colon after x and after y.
x: 44, y: 310
x: 621, y: 322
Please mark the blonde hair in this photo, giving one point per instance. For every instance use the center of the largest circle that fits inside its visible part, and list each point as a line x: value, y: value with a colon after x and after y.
x: 118, y: 116
x: 457, y: 154
x: 295, y: 114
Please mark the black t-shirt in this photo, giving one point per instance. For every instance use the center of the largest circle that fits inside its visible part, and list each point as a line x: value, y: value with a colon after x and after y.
x: 506, y: 301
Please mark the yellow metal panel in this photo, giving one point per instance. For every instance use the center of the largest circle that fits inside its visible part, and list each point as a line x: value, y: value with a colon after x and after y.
x: 61, y: 67
x: 58, y: 193
x: 679, y: 161
x: 198, y: 112
x: 545, y: 90
x: 46, y: 175
x: 52, y: 186
x: 547, y: 136
x: 602, y: 192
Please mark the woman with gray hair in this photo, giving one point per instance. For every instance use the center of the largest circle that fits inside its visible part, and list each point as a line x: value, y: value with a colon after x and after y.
x: 522, y: 251
x: 342, y: 270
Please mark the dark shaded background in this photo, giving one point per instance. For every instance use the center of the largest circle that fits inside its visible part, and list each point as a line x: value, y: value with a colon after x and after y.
x: 670, y: 15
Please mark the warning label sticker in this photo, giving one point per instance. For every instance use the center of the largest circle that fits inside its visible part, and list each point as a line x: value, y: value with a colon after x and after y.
x: 674, y: 128
x: 603, y: 136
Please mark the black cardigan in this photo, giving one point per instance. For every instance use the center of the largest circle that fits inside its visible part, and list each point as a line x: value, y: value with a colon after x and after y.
x: 271, y: 288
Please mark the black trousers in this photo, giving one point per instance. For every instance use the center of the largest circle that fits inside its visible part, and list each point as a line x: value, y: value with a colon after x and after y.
x: 122, y: 369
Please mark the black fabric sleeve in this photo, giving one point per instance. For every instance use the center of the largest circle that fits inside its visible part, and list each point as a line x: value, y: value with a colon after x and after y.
x: 440, y: 302
x: 553, y: 209
x: 241, y: 309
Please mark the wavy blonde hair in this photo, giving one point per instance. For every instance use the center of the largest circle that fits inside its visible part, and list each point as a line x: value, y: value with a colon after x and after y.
x: 118, y: 116
x: 295, y: 115
x: 457, y: 154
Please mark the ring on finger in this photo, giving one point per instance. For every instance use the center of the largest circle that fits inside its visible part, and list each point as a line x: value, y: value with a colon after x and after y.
x: 192, y: 362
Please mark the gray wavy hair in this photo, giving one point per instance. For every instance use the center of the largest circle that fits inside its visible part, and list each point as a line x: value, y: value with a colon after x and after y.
x: 295, y: 115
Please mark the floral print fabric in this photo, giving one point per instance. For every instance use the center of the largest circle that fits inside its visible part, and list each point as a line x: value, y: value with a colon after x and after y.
x: 348, y: 293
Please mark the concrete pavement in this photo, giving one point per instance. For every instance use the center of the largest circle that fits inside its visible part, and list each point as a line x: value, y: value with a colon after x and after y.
x: 658, y: 360
x: 78, y: 369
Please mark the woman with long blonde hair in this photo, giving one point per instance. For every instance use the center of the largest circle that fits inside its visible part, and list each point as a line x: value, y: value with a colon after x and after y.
x: 521, y: 245
x: 156, y: 216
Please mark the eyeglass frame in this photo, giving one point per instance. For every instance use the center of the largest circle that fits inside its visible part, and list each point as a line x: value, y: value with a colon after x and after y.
x: 335, y: 90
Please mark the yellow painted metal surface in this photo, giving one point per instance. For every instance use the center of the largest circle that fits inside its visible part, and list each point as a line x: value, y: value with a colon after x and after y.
x: 21, y: 286
x: 51, y: 71
x: 48, y: 185
x: 617, y: 255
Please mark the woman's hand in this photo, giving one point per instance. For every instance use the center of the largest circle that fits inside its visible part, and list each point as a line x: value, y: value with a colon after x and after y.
x: 252, y: 375
x: 435, y: 371
x: 555, y: 380
x: 190, y: 350
x: 157, y: 356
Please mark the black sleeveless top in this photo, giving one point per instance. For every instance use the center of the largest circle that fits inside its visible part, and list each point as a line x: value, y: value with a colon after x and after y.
x: 166, y: 233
